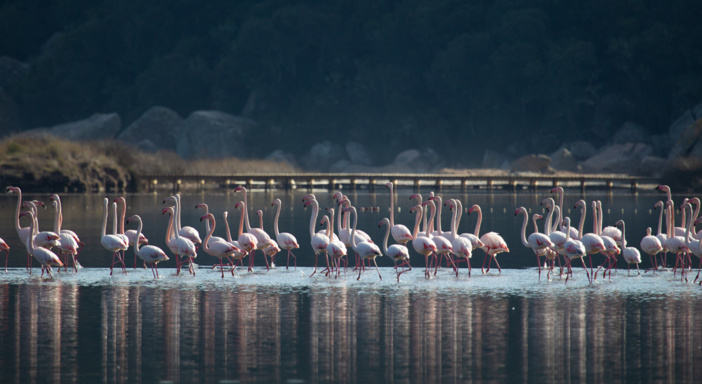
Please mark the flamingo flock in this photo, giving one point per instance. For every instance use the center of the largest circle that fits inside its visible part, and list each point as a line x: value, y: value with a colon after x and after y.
x: 555, y: 249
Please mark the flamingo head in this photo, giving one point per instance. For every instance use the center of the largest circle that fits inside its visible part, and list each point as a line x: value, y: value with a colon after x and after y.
x: 26, y: 213
x: 237, y: 189
x: 169, y: 199
x: 131, y: 218
x: 663, y: 188
x: 53, y: 197
x: 202, y: 205
x: 699, y: 220
x: 13, y: 190
x: 276, y: 202
x: 538, y: 217
x: 167, y: 209
x: 475, y: 207
x: 385, y: 221
x: 309, y: 197
x: 208, y: 216
x: 238, y: 204
x: 389, y: 184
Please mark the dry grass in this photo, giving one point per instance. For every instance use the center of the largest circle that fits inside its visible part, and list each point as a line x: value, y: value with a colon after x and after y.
x: 39, y: 162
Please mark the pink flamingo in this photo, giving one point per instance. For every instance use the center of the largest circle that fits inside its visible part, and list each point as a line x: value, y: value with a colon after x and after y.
x: 364, y: 249
x: 131, y: 234
x: 285, y: 240
x: 218, y: 249
x: 261, y: 236
x: 247, y: 241
x: 652, y: 246
x: 22, y: 232
x: 68, y: 245
x: 493, y: 242
x: 538, y: 242
x: 462, y: 247
x: 397, y: 252
x: 421, y: 244
x: 399, y: 232
x: 204, y: 207
x: 149, y: 253
x: 631, y: 255
x: 559, y: 194
x: 318, y: 241
x: 611, y: 247
x: 593, y: 242
x: 239, y: 255
x: 6, y: 248
x: 80, y: 244
x: 662, y: 237
x: 573, y: 249
x: 336, y: 249
x: 112, y: 243
x: 443, y: 245
x: 44, y: 256
x: 267, y: 243
x: 474, y: 240
x: 188, y: 232
x: 182, y: 247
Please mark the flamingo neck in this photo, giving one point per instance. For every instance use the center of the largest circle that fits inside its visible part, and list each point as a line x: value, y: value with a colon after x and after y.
x: 17, y: 211
x: 104, y: 220
x: 138, y: 234
x: 330, y: 224
x: 57, y: 216
x: 536, y: 226
x: 417, y: 220
x: 438, y: 214
x: 241, y: 218
x: 114, y: 218
x: 226, y: 225
x: 355, y: 222
x: 480, y: 221
x: 583, y: 212
x: 275, y: 221
x: 210, y: 231
x: 392, y: 206
x: 246, y: 213
x: 459, y: 209
x: 313, y: 217
x: 524, y: 224
x: 623, y: 235
x: 123, y: 204
x: 547, y: 224
x: 387, y: 235
x: 454, y: 230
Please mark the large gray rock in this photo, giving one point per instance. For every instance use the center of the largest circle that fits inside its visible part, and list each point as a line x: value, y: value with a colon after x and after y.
x: 9, y: 117
x: 11, y: 71
x: 358, y: 153
x: 618, y: 158
x: 684, y: 121
x: 533, y: 163
x: 629, y: 133
x: 322, y: 155
x: 214, y: 134
x: 563, y: 160
x: 99, y: 126
x: 157, y: 128
x: 688, y: 145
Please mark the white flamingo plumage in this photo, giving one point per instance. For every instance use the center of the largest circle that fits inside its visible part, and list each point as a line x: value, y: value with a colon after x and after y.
x: 247, y: 241
x: 493, y: 243
x: 538, y: 242
x: 397, y: 252
x: 131, y: 234
x: 188, y: 232
x: 365, y: 250
x: 318, y: 241
x: 182, y: 247
x: 285, y: 240
x: 149, y: 253
x: 631, y: 255
x: 652, y: 246
x: 400, y: 233
x: 44, y: 256
x: 68, y: 246
x: 573, y: 249
x: 112, y: 243
x: 218, y: 249
x: 336, y: 249
x: 592, y: 241
x: 462, y: 247
x: 261, y: 236
x: 421, y: 244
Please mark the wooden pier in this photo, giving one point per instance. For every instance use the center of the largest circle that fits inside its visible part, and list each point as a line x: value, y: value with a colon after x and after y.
x: 369, y: 181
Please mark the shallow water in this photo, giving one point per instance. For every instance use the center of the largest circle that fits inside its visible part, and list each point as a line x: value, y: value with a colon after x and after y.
x: 285, y: 326
x: 280, y: 325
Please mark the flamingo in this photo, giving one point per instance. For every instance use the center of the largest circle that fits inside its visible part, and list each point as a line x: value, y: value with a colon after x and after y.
x: 44, y: 239
x: 421, y: 244
x: 678, y: 231
x: 493, y: 243
x: 218, y: 249
x: 652, y: 246
x: 675, y: 244
x: 112, y: 243
x: 364, y: 249
x: 6, y: 248
x: 397, y: 252
x: 611, y: 247
x: 662, y: 237
x: 182, y: 247
x: 538, y: 242
x: 443, y: 245
x: 188, y: 232
x: 68, y: 244
x: 285, y: 240
x: 44, y: 256
x: 593, y: 242
x: 268, y: 242
x: 631, y: 255
x: 462, y: 247
x: 239, y: 255
x: 247, y: 241
x: 692, y: 243
x: 335, y: 248
x: 573, y: 249
x: 559, y: 193
x: 80, y: 244
x: 261, y: 236
x: 318, y: 241
x: 22, y: 232
x: 400, y: 233
x: 131, y: 234
x: 149, y: 253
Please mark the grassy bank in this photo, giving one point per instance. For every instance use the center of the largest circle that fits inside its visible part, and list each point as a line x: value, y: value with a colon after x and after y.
x: 47, y: 163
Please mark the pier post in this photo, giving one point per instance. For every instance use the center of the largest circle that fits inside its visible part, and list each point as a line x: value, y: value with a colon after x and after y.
x: 489, y: 184
x: 371, y: 185
x: 417, y: 184
x: 438, y: 185
x: 176, y: 185
x: 249, y: 184
x: 310, y: 185
x: 582, y: 185
x: 290, y: 184
x: 332, y: 185
x: 270, y: 184
x: 352, y: 181
x: 634, y: 186
x: 513, y: 185
x: 464, y: 185
x: 201, y: 186
x: 609, y: 185
x: 533, y: 183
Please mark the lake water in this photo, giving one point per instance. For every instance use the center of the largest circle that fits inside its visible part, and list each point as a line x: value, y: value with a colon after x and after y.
x: 283, y: 326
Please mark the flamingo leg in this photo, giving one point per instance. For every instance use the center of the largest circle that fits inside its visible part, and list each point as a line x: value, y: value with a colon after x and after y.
x: 376, y: 268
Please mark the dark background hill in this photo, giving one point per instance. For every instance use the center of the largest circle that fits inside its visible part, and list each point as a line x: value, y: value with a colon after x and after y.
x: 460, y: 77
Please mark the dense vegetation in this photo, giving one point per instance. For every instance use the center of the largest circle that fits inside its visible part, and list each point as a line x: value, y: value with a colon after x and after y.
x: 391, y: 74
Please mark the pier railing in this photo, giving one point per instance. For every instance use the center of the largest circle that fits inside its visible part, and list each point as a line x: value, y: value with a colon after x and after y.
x: 435, y: 181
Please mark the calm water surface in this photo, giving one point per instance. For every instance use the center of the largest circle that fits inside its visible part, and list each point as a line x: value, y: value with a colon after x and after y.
x: 282, y: 326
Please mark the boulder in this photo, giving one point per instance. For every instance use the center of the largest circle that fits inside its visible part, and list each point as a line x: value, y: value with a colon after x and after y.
x: 11, y: 71
x: 629, y: 133
x: 358, y: 153
x: 9, y: 117
x: 533, y: 163
x: 157, y: 128
x: 618, y: 158
x: 99, y: 126
x: 563, y: 160
x: 322, y: 155
x: 581, y: 150
x: 213, y: 134
x: 685, y: 120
